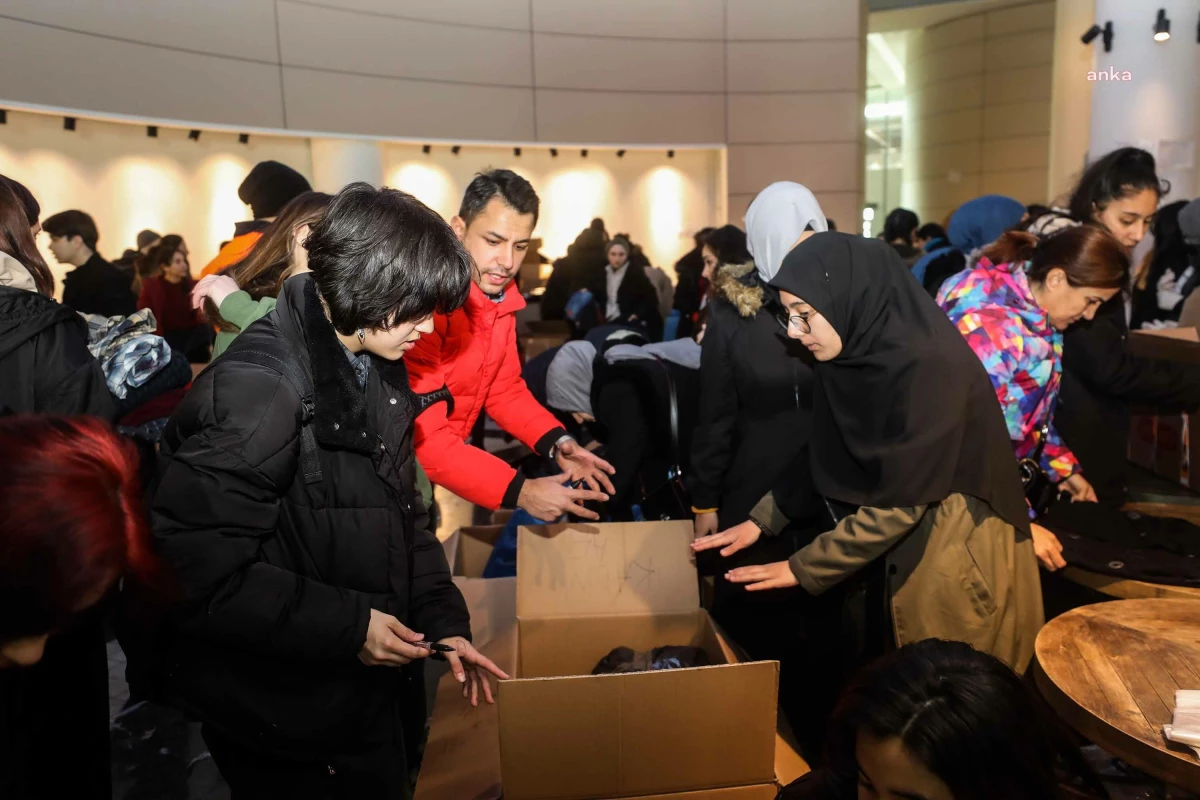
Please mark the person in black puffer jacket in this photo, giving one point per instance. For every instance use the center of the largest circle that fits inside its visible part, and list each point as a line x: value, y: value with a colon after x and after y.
x: 306, y: 565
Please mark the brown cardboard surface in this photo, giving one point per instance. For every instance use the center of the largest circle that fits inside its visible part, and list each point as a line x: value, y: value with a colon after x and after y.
x: 468, y: 549
x: 492, y: 603
x: 642, y: 733
x: 630, y: 568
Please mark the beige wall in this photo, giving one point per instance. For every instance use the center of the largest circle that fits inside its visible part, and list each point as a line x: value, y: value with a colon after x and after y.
x: 979, y: 109
x: 780, y: 82
x: 128, y: 182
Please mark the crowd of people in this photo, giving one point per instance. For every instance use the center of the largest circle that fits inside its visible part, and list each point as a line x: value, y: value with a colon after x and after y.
x: 878, y: 442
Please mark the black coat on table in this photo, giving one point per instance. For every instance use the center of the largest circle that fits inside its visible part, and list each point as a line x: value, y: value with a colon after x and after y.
x: 98, y: 287
x: 60, y: 705
x: 755, y: 405
x: 279, y: 574
x: 1101, y: 380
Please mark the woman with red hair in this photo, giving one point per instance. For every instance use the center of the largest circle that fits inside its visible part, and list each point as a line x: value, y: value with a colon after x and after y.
x: 71, y: 525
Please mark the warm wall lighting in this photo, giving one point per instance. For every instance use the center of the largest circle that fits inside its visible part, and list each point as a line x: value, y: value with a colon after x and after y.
x: 427, y: 182
x: 665, y: 196
x: 68, y: 123
x: 571, y: 199
x: 1162, y: 26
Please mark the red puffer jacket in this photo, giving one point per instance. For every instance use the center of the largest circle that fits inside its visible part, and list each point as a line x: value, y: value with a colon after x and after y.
x: 474, y: 352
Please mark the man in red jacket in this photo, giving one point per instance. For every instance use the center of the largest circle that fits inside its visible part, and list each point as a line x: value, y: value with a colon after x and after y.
x: 473, y: 351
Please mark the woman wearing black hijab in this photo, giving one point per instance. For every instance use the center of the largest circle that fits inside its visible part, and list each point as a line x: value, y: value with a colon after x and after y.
x: 907, y: 428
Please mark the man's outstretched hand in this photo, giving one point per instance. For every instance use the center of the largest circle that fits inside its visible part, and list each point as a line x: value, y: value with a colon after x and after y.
x: 580, y: 464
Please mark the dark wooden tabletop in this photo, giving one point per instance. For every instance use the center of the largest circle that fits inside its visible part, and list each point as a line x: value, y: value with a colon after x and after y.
x: 1110, y: 670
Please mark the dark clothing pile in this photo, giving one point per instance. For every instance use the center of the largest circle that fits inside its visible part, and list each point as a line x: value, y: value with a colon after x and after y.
x: 755, y: 413
x: 286, y: 508
x: 97, y: 287
x: 1126, y: 544
x: 1101, y: 380
x: 623, y: 659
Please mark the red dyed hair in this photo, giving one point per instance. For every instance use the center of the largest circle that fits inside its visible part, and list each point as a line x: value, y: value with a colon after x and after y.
x: 71, y: 520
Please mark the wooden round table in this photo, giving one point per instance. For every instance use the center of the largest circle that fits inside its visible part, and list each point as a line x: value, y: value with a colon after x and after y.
x: 1111, y: 670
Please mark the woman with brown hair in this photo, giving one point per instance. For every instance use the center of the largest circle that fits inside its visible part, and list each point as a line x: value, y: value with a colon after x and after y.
x: 168, y: 295
x: 44, y: 361
x: 248, y: 290
x: 1013, y: 307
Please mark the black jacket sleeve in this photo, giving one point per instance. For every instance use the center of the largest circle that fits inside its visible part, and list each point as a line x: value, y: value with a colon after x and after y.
x: 69, y: 378
x: 1097, y: 354
x: 558, y: 292
x: 712, y: 441
x: 438, y: 609
x: 218, y: 500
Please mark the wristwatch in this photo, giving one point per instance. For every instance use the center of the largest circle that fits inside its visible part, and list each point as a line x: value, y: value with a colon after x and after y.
x: 553, y: 454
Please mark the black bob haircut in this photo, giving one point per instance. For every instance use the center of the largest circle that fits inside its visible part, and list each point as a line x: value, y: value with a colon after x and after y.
x: 516, y: 192
x: 73, y: 223
x: 900, y: 224
x: 1122, y: 173
x: 381, y: 257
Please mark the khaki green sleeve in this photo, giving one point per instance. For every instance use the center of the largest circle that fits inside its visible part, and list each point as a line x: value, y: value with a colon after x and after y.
x: 856, y: 541
x: 766, y: 515
x: 241, y: 309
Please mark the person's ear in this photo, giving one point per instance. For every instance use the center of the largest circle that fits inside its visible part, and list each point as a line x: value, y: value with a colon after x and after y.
x: 1056, y: 278
x: 459, y: 226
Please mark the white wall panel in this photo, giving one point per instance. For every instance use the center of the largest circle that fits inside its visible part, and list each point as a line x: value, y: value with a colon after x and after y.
x: 581, y: 62
x: 664, y: 19
x: 624, y: 117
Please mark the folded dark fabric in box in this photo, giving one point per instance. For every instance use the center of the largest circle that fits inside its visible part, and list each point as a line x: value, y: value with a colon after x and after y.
x: 623, y: 659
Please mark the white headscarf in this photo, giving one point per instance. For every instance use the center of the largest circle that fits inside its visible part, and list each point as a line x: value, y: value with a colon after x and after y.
x: 775, y: 221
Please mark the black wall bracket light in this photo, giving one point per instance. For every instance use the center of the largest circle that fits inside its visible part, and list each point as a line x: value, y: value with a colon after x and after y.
x: 1162, y: 26
x: 1095, y: 31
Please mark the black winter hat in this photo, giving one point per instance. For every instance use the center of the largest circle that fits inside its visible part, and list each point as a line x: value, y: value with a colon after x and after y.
x: 270, y: 186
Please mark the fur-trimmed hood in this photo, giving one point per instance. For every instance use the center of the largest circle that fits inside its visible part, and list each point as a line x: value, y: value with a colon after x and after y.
x: 739, y: 285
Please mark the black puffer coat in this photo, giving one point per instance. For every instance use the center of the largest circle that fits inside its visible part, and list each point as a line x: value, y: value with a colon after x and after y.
x: 278, y: 574
x: 45, y: 366
x: 755, y: 405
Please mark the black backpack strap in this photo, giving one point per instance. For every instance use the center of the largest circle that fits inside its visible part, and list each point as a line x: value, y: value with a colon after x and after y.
x: 310, y: 461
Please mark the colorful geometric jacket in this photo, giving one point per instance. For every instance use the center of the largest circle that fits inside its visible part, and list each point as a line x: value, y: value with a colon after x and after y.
x: 993, y: 307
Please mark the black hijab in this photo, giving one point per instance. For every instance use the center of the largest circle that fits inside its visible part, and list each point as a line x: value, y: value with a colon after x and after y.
x: 906, y: 414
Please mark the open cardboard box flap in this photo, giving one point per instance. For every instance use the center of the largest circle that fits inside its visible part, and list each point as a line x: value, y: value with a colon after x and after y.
x: 615, y: 569
x: 565, y: 734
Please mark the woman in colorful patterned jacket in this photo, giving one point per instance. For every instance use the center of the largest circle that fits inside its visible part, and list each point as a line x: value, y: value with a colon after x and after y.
x: 1012, y: 307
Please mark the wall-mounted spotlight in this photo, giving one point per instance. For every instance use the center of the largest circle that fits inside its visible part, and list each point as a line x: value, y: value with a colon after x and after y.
x: 152, y: 131
x: 1162, y: 26
x: 3, y: 117
x: 456, y: 149
x: 68, y: 123
x: 583, y: 153
x: 427, y: 149
x: 620, y: 154
x: 670, y: 154
x: 1095, y: 31
x: 243, y: 138
x: 517, y: 151
x: 1198, y: 31
x: 194, y: 135
x: 554, y: 152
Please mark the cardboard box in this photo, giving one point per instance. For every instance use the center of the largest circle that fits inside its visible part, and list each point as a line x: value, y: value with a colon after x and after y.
x: 491, y: 601
x: 565, y: 734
